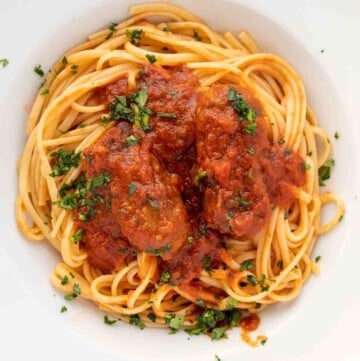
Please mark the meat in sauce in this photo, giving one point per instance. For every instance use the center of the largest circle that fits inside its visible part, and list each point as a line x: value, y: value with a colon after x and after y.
x: 154, y: 201
x: 244, y: 172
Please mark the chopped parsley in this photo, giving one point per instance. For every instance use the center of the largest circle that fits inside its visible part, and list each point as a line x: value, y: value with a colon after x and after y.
x: 166, y: 115
x: 175, y: 322
x: 70, y: 201
x: 166, y: 277
x: 245, y: 112
x: 200, y: 302
x: 159, y: 251
x: 99, y: 181
x: 134, y: 36
x: 309, y: 153
x: 206, y: 262
x: 336, y: 135
x: 280, y: 264
x: 131, y: 189
x: 173, y: 92
x: 322, y: 50
x: 243, y: 203
x: 252, y: 280
x: 63, y: 309
x: 132, y: 109
x: 281, y: 141
x: 104, y: 121
x: 81, y: 192
x: 305, y: 166
x: 325, y: 171
x: 76, y: 292
x: 44, y: 92
x: 135, y: 320
x: 215, y: 323
x: 217, y: 358
x: 317, y: 259
x: 131, y: 140
x: 151, y: 316
x: 4, y: 62
x: 39, y: 71
x: 231, y: 303
x: 166, y: 29
x: 65, y: 280
x: 74, y: 68
x: 197, y: 36
x: 65, y: 160
x: 199, y: 176
x: 263, y: 341
x: 219, y: 332
x: 258, y: 282
x: 251, y: 150
x: 64, y: 60
x: 247, y: 265
x: 229, y: 217
x: 112, y: 27
x: 151, y: 58
x: 107, y: 321
x: 77, y: 236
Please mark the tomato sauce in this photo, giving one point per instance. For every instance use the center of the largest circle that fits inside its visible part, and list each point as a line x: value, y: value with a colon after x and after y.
x: 155, y: 200
x: 245, y: 174
x: 250, y: 323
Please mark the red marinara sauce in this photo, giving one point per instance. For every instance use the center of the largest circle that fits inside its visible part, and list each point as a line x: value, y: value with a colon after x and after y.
x: 250, y: 323
x: 187, y: 183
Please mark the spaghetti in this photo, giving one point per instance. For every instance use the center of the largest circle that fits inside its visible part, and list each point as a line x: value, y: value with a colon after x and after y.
x: 70, y: 120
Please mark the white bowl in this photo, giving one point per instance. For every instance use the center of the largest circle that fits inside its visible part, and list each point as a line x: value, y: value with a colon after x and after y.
x: 294, y: 328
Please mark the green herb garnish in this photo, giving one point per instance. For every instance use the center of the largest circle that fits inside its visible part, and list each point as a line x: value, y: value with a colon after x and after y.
x: 131, y: 189
x: 65, y: 280
x: 151, y: 316
x: 159, y: 251
x: 244, y: 111
x: 199, y: 176
x: 76, y: 293
x: 64, y: 162
x: 166, y: 115
x: 175, y: 322
x: 4, y: 62
x: 151, y: 58
x: 39, y: 71
x: 166, y: 277
x: 77, y: 236
x: 107, y: 321
x: 134, y: 36
x: 325, y: 171
x: 131, y: 140
x: 135, y: 320
x: 132, y: 109
x: 247, y: 265
x: 197, y: 36
x: 74, y: 68
x: 112, y: 27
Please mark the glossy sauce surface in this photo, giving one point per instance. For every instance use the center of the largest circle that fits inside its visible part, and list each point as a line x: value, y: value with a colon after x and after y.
x: 154, y: 201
